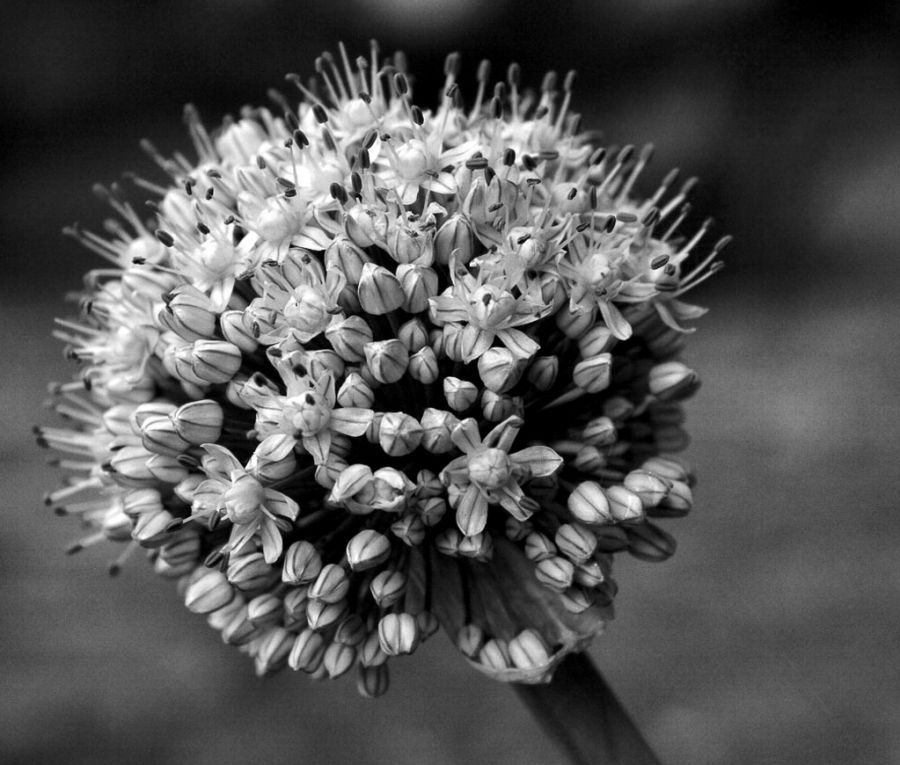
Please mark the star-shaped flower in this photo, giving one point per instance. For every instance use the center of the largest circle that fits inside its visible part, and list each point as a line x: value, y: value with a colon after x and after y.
x: 487, y: 473
x: 237, y: 493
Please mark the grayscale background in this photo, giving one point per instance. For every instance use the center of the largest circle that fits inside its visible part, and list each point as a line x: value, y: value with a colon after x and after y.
x: 772, y: 635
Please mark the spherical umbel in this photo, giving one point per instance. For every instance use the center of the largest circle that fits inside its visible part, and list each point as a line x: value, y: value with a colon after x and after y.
x: 375, y: 367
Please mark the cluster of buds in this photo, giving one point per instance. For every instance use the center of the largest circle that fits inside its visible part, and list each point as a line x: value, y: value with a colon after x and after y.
x: 372, y: 369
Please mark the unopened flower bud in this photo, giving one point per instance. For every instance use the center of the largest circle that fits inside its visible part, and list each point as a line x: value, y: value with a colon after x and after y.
x: 437, y: 425
x: 648, y: 486
x: 410, y: 529
x: 460, y: 394
x: 349, y: 258
x: 240, y: 630
x: 598, y: 339
x: 576, y: 601
x: 423, y: 366
x: 121, y: 419
x: 574, y: 325
x: 543, y: 371
x: 495, y: 654
x: 372, y: 681
x: 592, y: 374
x: 499, y: 369
x: 355, y: 392
x: 588, y: 503
x: 589, y: 574
x: 128, y: 467
x: 601, y: 431
x: 215, y: 361
x: 413, y: 335
x: 447, y: 542
x: 367, y: 549
x: 338, y: 659
x: 331, y: 585
x: 265, y: 609
x: 610, y: 539
x: 273, y: 460
x: 295, y: 602
x: 477, y: 546
x: 399, y: 434
x: 370, y: 654
x: 387, y: 587
x: 428, y: 624
x: 151, y: 528
x: 555, y: 573
x: 454, y: 240
x: 539, y: 547
x: 199, y: 422
x: 528, y: 650
x: 274, y: 648
x: 352, y: 480
x: 671, y: 438
x: 188, y: 312
x: 321, y: 615
x: 398, y: 634
x: 167, y: 469
x: 649, y: 542
x: 419, y: 283
x: 668, y: 468
x: 588, y: 460
x: 387, y: 360
x: 672, y: 381
x: 379, y: 290
x: 235, y: 330
x: 575, y: 541
x: 348, y: 337
x: 677, y: 502
x: 307, y: 651
x: 469, y: 640
x: 219, y: 618
x: 432, y: 509
x: 351, y: 631
x: 625, y: 505
x: 208, y: 591
x: 517, y: 530
x: 618, y: 408
x: 159, y: 436
x: 181, y: 548
x: 150, y: 410
x: 250, y: 572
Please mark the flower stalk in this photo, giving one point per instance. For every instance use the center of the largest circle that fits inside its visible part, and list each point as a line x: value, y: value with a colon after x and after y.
x: 581, y: 714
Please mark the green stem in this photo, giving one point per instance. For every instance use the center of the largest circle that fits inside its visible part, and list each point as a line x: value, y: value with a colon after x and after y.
x: 579, y: 711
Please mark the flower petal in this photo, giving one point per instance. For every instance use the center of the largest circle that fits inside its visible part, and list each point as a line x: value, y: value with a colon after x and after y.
x: 280, y: 504
x: 221, y: 459
x: 522, y: 346
x: 466, y: 436
x: 540, y: 461
x: 271, y: 541
x: 472, y: 511
x: 613, y: 318
x: 318, y: 446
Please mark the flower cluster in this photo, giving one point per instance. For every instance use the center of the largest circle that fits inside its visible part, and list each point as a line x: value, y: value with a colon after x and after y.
x: 374, y: 368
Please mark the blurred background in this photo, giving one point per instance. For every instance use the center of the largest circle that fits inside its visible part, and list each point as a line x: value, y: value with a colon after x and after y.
x: 772, y: 635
